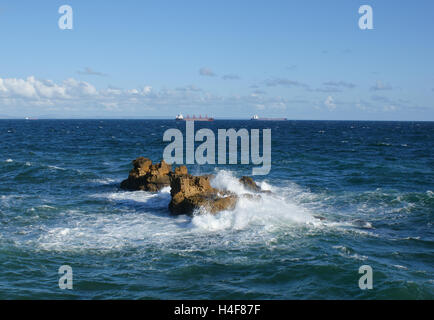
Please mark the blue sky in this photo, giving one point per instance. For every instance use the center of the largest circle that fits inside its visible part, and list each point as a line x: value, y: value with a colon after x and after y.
x: 230, y: 59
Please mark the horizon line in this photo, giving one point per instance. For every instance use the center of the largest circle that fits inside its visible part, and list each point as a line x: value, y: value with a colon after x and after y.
x: 215, y: 119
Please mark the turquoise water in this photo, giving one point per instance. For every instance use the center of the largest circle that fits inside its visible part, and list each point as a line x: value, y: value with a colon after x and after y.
x: 372, y: 181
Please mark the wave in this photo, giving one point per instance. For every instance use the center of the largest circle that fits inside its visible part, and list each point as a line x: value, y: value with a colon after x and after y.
x: 55, y: 168
x: 104, y: 181
x: 134, y: 196
x: 141, y: 220
x: 349, y: 253
x: 271, y: 211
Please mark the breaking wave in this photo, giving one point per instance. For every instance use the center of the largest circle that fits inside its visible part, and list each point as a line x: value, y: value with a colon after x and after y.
x: 141, y: 219
x: 270, y: 210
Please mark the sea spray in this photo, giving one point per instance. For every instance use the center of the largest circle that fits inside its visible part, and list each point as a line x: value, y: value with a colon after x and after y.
x: 270, y: 210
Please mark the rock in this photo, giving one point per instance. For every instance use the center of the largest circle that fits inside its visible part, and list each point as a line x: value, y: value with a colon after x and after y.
x: 147, y: 176
x: 218, y: 204
x: 190, y: 193
x: 189, y: 185
x: 249, y: 184
x: 141, y: 165
x: 182, y: 170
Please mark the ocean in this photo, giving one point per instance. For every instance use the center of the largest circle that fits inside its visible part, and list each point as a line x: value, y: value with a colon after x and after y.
x: 60, y: 204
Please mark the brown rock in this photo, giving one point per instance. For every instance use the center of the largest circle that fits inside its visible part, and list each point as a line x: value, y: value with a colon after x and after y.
x: 249, y: 184
x: 160, y: 169
x: 142, y: 165
x: 189, y: 185
x: 190, y: 193
x: 147, y: 176
x: 182, y: 170
x: 225, y: 203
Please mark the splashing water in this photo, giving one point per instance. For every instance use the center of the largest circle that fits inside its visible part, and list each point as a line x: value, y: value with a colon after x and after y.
x: 270, y: 211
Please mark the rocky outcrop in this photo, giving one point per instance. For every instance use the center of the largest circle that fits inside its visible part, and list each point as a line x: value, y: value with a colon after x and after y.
x: 190, y: 193
x: 147, y: 176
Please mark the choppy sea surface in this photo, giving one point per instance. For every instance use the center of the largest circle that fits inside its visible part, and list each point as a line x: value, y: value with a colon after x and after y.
x: 60, y: 204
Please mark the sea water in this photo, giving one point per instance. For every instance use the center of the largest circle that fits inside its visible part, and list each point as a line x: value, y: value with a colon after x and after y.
x: 372, y: 182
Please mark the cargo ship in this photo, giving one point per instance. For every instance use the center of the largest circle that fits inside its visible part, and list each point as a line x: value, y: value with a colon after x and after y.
x: 180, y: 117
x: 256, y: 117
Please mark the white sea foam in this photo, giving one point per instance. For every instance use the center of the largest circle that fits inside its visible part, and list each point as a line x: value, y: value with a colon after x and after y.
x: 9, y: 160
x: 56, y: 168
x: 270, y: 211
x: 141, y: 219
x: 348, y: 253
x: 138, y: 196
x: 103, y: 181
x: 45, y: 206
x: 7, y: 200
x: 397, y: 266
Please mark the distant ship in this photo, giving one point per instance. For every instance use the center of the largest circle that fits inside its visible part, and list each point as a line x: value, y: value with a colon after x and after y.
x: 256, y: 117
x: 180, y: 117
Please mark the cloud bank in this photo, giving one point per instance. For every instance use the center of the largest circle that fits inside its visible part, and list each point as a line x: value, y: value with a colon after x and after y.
x: 74, y: 96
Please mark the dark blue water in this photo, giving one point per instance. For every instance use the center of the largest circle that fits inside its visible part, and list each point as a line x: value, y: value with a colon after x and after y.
x: 60, y: 205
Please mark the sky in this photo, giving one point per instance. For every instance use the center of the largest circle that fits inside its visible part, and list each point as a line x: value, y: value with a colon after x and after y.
x: 301, y: 59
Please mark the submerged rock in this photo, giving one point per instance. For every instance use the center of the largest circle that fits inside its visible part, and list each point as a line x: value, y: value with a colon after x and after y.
x: 147, y: 176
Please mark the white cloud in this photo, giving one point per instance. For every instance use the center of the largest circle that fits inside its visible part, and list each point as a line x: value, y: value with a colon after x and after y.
x: 18, y: 87
x: 147, y: 90
x: 79, y: 88
x: 74, y: 97
x: 34, y: 90
x: 329, y: 103
x: 80, y: 97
